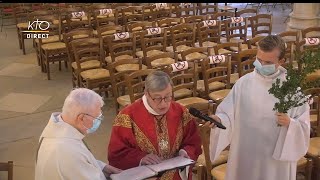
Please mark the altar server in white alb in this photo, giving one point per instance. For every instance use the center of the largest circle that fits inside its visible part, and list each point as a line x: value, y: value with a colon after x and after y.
x: 62, y: 155
x: 259, y: 148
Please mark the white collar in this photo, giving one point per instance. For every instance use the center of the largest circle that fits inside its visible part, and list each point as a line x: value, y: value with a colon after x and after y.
x: 148, y: 107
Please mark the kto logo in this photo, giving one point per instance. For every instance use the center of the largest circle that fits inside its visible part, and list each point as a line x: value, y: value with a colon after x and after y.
x: 38, y: 29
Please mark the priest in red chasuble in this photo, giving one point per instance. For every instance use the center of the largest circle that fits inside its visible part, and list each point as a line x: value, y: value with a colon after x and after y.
x: 154, y: 128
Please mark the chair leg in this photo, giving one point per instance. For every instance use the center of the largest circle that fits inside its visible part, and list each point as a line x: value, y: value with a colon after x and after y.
x: 47, y: 66
x: 19, y: 39
x: 308, y: 170
x: 23, y: 45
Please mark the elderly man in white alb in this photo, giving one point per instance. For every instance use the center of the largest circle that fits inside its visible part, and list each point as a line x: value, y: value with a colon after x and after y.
x: 259, y: 148
x: 62, y: 154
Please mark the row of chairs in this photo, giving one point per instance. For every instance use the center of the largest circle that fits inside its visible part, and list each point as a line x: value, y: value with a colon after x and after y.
x: 98, y: 15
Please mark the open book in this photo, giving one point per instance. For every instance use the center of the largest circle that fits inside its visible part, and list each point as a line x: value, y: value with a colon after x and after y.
x: 143, y: 172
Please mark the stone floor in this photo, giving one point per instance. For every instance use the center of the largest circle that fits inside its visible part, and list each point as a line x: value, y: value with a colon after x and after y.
x: 27, y: 99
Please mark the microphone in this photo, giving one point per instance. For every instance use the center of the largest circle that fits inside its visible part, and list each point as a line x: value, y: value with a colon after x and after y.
x: 195, y: 112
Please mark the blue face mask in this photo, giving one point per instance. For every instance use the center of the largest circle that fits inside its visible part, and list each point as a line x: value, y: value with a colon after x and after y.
x: 95, y: 124
x: 265, y: 70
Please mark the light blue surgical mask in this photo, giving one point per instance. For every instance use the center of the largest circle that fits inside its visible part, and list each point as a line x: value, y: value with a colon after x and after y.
x: 95, y: 124
x: 265, y: 70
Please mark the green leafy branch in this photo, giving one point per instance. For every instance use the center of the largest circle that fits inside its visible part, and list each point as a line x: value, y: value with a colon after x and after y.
x: 290, y: 93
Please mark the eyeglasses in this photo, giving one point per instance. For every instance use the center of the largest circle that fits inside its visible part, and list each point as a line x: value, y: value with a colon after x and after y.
x: 159, y: 99
x: 100, y: 117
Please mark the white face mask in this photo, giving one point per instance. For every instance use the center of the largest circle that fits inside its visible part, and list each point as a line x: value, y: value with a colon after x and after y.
x: 265, y: 70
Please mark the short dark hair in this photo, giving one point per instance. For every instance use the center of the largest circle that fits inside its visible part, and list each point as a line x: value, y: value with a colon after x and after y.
x: 272, y: 42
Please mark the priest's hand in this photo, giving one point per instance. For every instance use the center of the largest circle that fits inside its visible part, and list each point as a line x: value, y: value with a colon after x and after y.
x: 210, y: 124
x: 150, y: 159
x: 108, y: 170
x: 283, y: 119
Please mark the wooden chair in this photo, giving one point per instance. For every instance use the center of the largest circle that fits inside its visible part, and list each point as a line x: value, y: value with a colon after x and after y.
x: 246, y: 12
x: 77, y: 18
x: 135, y: 82
x: 55, y: 51
x: 221, y: 16
x: 310, y: 32
x: 68, y: 38
x: 184, y: 9
x: 183, y: 37
x: 119, y: 46
x: 253, y: 42
x: 245, y: 59
x: 292, y: 39
x: 236, y: 31
x: 314, y: 146
x: 97, y: 78
x: 311, y: 44
x: 117, y: 71
x: 153, y: 42
x: 161, y: 10
x: 7, y: 167
x: 304, y: 166
x: 20, y: 15
x: 207, y: 9
x: 261, y: 24
x: 194, y: 19
x: 105, y: 30
x: 210, y: 169
x: 160, y: 60
x: 103, y: 15
x: 132, y: 14
x: 314, y: 110
x: 208, y: 33
x: 217, y: 74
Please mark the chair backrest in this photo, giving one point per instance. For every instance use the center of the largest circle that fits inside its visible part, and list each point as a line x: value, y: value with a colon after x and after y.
x: 7, y: 167
x: 182, y: 34
x: 135, y: 82
x: 253, y: 42
x: 226, y: 46
x: 207, y: 9
x: 315, y: 107
x: 236, y: 27
x: 77, y: 17
x: 104, y: 15
x: 245, y: 59
x: 153, y: 39
x: 184, y: 9
x: 86, y: 49
x: 205, y: 108
x: 118, y: 44
x: 117, y: 73
x: 131, y: 13
x: 247, y: 12
x: 261, y: 24
x: 209, y: 30
x: 194, y: 19
x: 72, y: 35
x: 310, y: 32
x: 216, y: 68
x: 161, y: 10
x: 311, y: 44
x: 292, y: 39
x: 20, y: 14
x: 184, y: 75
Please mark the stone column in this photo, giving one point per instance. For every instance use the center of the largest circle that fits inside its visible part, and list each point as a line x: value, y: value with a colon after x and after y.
x: 304, y: 15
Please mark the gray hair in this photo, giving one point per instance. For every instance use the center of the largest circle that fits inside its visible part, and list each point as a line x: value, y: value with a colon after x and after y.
x: 81, y: 100
x: 157, y: 81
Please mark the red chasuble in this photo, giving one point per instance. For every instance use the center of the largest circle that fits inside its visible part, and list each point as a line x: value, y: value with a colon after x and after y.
x: 136, y: 133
